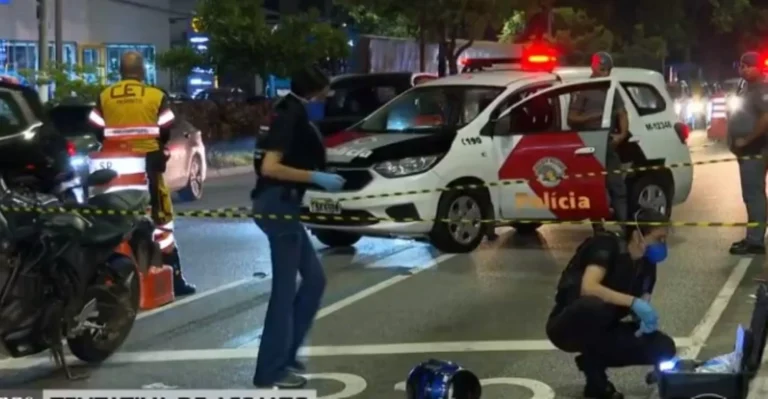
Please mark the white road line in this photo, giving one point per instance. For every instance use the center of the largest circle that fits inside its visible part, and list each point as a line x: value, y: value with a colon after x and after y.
x: 343, y: 303
x: 21, y: 363
x: 319, y: 351
x: 200, y: 296
x: 703, y: 330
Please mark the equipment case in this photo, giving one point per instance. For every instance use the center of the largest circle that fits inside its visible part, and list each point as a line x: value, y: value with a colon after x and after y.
x: 682, y: 382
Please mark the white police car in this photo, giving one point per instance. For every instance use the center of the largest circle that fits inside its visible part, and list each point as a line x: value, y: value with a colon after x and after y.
x: 497, y: 126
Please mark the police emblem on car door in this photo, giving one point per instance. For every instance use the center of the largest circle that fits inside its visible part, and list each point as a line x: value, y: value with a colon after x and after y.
x: 558, y: 168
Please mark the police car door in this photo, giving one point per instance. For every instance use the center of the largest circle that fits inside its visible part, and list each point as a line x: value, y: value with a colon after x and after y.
x: 559, y: 169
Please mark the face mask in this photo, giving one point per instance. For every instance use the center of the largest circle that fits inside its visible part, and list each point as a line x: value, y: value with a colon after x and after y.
x: 656, y: 252
x: 315, y: 110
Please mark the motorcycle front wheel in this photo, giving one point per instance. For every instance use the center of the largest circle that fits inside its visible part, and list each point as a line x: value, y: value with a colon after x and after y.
x: 110, y: 325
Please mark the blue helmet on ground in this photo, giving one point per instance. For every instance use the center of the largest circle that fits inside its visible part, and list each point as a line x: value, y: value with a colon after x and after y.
x: 439, y: 379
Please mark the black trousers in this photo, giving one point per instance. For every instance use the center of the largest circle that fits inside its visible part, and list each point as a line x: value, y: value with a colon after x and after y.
x: 589, y: 327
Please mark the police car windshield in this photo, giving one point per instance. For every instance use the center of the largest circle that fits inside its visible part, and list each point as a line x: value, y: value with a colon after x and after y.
x: 429, y: 109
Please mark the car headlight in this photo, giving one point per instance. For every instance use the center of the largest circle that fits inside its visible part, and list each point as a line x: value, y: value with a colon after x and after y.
x: 78, y: 161
x: 734, y: 103
x: 406, y: 166
x: 696, y: 107
x: 678, y: 108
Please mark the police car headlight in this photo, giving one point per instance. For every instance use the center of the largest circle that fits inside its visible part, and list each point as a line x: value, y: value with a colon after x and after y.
x: 406, y: 166
x: 678, y: 108
x: 78, y: 161
x: 734, y: 103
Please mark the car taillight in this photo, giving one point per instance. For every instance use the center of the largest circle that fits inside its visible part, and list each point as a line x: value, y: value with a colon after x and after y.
x: 683, y: 131
x: 71, y: 150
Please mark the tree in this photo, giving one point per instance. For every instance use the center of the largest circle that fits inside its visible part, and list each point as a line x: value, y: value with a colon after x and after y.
x: 241, y: 41
x: 445, y: 22
x: 578, y: 35
x: 69, y: 81
x: 369, y: 23
x: 300, y: 40
x: 180, y: 61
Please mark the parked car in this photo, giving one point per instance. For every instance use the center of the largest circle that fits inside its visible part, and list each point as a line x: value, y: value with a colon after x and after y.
x: 355, y: 96
x: 222, y: 95
x: 186, y: 169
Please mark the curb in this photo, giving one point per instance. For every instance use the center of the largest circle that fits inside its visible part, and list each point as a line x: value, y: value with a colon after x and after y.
x: 189, y: 310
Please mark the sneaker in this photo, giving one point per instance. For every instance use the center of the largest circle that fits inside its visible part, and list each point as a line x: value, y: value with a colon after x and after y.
x: 602, y: 391
x: 744, y: 248
x: 290, y: 381
x: 297, y: 367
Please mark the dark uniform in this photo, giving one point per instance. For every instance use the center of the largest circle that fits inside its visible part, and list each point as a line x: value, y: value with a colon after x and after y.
x: 290, y: 312
x: 592, y: 102
x: 135, y: 122
x: 594, y: 328
x: 741, y: 123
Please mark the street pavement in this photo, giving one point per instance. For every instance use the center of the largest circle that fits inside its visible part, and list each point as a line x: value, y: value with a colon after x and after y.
x: 392, y: 303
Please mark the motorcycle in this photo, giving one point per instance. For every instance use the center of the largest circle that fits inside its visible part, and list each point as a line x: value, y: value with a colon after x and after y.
x: 71, y: 275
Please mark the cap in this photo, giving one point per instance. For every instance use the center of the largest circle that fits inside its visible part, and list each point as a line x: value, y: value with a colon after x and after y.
x: 750, y: 58
x: 603, y: 60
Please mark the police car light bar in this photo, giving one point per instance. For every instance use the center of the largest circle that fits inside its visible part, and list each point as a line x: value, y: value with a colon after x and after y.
x: 534, y: 58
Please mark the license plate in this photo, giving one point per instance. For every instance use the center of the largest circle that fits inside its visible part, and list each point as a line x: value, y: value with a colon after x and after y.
x: 326, y: 206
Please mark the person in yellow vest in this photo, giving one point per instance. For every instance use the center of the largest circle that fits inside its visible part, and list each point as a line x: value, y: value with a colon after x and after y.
x: 134, y: 122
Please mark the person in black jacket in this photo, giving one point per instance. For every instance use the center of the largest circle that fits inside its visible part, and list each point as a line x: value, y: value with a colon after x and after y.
x: 609, y: 278
x: 290, y: 158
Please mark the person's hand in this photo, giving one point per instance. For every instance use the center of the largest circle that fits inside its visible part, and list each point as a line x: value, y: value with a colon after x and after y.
x: 329, y: 181
x: 645, y: 312
x: 646, y: 328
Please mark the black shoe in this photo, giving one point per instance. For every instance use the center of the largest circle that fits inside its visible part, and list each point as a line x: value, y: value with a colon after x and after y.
x: 182, y: 288
x: 745, y: 248
x: 290, y: 381
x: 604, y: 390
x: 297, y: 367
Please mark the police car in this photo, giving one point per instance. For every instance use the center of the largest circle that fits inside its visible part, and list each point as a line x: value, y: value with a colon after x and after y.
x: 508, y: 126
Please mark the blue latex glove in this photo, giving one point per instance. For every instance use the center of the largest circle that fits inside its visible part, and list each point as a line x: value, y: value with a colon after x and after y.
x: 646, y: 328
x: 329, y: 181
x: 645, y: 312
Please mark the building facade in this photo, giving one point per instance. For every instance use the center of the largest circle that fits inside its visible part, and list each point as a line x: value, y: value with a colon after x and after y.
x: 95, y: 33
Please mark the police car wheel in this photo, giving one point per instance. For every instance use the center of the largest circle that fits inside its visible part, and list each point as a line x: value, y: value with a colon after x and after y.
x: 526, y: 228
x: 459, y: 227
x: 336, y: 239
x: 652, y: 190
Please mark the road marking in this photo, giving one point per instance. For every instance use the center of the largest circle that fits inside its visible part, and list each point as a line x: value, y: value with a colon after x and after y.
x: 359, y: 296
x: 318, y: 351
x: 703, y: 330
x: 353, y: 384
x: 201, y: 295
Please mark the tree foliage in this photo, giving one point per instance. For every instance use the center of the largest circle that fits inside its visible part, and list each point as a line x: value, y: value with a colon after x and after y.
x: 443, y: 22
x: 370, y: 23
x: 240, y: 39
x: 69, y: 81
x: 181, y: 60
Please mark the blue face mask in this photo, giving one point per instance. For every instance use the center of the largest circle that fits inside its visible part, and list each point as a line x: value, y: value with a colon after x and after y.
x: 315, y: 110
x: 656, y: 252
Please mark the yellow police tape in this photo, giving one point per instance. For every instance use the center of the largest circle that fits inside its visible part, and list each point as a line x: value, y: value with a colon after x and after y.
x: 503, y: 183
x: 239, y: 213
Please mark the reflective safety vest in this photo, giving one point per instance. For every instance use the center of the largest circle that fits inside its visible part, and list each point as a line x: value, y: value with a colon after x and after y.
x: 135, y: 119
